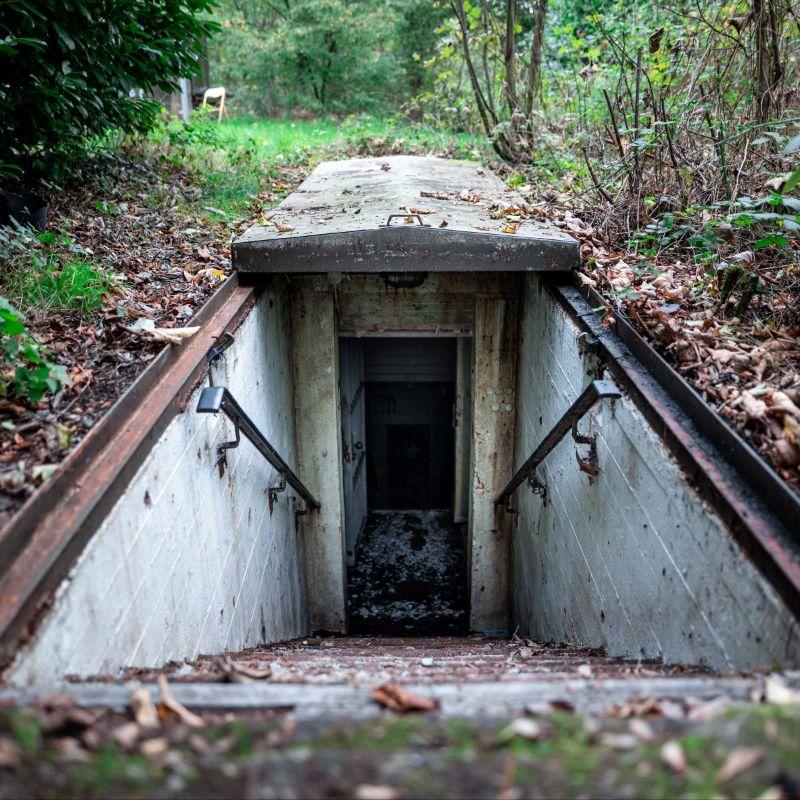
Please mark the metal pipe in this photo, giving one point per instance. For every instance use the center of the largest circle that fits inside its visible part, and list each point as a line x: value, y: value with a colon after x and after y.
x: 214, y: 399
x: 595, y: 391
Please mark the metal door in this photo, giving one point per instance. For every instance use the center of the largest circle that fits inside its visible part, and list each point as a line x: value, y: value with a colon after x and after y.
x: 354, y: 454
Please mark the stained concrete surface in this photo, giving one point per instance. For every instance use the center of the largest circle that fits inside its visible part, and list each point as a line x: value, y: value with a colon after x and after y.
x: 409, y: 576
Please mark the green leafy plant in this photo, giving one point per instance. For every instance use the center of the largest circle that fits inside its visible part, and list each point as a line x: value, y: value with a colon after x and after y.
x: 25, y: 371
x: 69, y: 71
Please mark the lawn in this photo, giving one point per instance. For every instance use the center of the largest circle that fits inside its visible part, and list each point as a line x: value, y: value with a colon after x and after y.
x: 237, y: 160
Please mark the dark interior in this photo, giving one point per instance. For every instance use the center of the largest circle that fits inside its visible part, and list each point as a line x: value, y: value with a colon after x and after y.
x: 411, y: 445
x: 409, y: 575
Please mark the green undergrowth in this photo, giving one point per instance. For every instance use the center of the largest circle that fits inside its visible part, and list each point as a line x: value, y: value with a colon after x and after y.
x: 51, y: 272
x: 418, y: 756
x: 238, y: 160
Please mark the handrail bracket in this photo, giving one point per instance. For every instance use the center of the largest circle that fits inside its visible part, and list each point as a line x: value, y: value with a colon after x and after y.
x: 214, y: 399
x: 596, y: 390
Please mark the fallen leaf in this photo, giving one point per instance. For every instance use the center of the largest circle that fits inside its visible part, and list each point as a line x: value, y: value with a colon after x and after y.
x: 641, y: 730
x: 673, y: 756
x: 171, y: 335
x: 434, y: 195
x: 41, y: 472
x: 415, y: 210
x: 778, y: 692
x: 745, y: 257
x: 709, y: 709
x: 127, y: 734
x: 782, y: 404
x: 168, y: 706
x: 142, y: 324
x: 368, y: 791
x: 70, y: 750
x: 752, y: 406
x: 282, y: 228
x: 151, y: 748
x: 234, y: 672
x: 443, y: 223
x: 739, y: 760
x: 401, y: 701
x: 10, y: 754
x: 619, y: 741
x: 522, y: 727
x: 144, y: 712
x: 510, y: 228
x: 204, y: 253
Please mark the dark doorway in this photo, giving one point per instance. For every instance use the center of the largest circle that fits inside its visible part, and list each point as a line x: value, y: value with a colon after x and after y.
x: 409, y: 572
x: 412, y: 445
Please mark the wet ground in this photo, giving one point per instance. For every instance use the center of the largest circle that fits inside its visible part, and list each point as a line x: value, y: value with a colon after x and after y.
x: 410, y: 576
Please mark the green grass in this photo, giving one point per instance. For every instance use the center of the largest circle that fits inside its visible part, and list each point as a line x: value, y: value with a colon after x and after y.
x: 285, y: 137
x: 49, y: 283
x: 244, y: 157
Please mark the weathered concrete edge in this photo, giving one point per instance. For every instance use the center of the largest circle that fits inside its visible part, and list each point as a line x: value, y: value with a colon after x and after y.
x: 45, y: 537
x: 760, y: 534
x: 485, y: 699
x: 405, y: 249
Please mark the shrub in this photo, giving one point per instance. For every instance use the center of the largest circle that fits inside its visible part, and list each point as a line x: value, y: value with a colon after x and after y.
x: 67, y: 70
x: 25, y: 371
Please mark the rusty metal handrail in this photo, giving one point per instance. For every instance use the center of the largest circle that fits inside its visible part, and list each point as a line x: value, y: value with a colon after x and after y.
x: 214, y: 399
x: 596, y: 390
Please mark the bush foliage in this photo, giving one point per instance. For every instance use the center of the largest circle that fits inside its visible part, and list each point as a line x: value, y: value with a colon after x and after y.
x: 25, y: 371
x: 68, y: 68
x: 328, y: 55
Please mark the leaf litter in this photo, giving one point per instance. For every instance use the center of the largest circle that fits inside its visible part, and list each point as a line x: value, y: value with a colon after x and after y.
x: 168, y: 259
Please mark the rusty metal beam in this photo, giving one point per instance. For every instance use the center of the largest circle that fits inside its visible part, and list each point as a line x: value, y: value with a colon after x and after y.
x: 45, y: 537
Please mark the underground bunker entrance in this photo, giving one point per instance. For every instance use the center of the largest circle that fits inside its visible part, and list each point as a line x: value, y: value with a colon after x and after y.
x: 402, y: 402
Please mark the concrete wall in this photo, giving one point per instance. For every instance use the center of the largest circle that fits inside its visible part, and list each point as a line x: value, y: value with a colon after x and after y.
x: 633, y: 561
x: 319, y: 448
x: 188, y: 561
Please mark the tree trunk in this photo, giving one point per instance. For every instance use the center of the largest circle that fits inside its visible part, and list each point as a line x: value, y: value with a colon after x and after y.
x: 767, y: 68
x: 537, y: 46
x: 510, y: 56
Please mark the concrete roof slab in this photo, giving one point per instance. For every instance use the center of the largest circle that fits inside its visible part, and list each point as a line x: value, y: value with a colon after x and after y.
x: 402, y: 214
